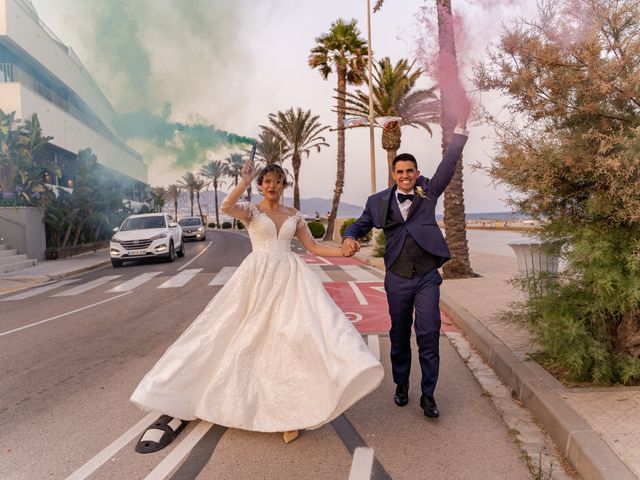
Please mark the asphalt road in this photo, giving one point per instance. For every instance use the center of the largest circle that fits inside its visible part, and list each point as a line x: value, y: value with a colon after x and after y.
x: 72, y: 352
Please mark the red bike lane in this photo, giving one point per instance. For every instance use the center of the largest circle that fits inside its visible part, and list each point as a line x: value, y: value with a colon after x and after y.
x: 363, y: 302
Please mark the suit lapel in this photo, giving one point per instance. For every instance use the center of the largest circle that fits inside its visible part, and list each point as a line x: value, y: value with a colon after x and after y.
x: 384, y: 204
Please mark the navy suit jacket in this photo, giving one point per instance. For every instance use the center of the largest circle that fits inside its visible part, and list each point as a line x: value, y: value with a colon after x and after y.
x: 421, y: 220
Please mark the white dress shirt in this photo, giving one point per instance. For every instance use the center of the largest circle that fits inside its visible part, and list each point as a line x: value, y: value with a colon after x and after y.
x: 406, y: 205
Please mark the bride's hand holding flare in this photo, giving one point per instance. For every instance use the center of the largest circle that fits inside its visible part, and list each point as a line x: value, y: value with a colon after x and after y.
x: 248, y: 172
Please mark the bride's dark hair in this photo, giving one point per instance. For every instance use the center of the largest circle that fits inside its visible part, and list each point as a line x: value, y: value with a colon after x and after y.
x: 273, y: 167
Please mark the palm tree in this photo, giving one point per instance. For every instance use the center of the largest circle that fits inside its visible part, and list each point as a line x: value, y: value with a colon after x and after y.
x: 455, y: 225
x: 270, y: 147
x: 198, y: 185
x: 235, y: 161
x: 215, y: 171
x: 394, y: 96
x: 189, y: 181
x: 158, y: 198
x: 173, y: 193
x: 341, y: 49
x: 300, y: 131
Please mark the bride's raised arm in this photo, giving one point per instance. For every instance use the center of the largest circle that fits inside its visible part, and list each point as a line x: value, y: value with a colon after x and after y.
x: 230, y: 205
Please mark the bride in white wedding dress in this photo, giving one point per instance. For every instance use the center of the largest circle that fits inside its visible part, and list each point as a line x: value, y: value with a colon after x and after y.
x: 271, y: 352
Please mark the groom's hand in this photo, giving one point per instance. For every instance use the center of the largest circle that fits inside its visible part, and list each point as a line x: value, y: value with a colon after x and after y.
x: 349, y: 247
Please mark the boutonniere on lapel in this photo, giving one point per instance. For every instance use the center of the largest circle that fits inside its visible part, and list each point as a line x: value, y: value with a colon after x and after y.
x: 420, y: 192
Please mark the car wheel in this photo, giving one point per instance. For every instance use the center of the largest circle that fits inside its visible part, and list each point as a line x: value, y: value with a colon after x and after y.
x: 181, y: 251
x: 171, y: 256
x: 116, y: 263
x: 204, y: 237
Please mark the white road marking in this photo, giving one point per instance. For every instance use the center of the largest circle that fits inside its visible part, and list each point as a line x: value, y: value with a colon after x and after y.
x: 181, y: 279
x: 38, y: 290
x: 362, y: 464
x: 359, y: 273
x: 380, y: 289
x: 374, y: 345
x: 323, y: 260
x: 96, y: 462
x: 222, y: 276
x: 358, y: 293
x: 134, y: 282
x: 322, y: 275
x: 356, y: 316
x: 87, y: 286
x: 171, y: 461
x: 196, y: 257
x: 63, y: 315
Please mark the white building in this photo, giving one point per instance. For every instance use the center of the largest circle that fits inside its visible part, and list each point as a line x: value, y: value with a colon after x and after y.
x: 39, y: 74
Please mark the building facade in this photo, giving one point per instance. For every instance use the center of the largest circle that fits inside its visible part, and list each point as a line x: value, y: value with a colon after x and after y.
x: 39, y: 74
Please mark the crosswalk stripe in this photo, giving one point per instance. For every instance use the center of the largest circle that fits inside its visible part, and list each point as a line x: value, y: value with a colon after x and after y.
x: 181, y: 279
x: 134, y: 282
x: 373, y: 342
x: 322, y: 275
x: 222, y: 276
x: 171, y: 461
x: 360, y: 274
x: 38, y: 290
x: 114, y: 447
x: 87, y: 286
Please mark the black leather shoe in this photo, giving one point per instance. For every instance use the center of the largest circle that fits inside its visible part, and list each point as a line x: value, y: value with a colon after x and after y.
x: 402, y: 394
x: 428, y: 404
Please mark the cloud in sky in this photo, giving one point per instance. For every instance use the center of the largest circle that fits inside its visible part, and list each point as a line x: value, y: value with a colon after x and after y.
x: 232, y: 62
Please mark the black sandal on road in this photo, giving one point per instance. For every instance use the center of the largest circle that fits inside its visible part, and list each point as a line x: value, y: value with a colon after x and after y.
x: 160, y: 434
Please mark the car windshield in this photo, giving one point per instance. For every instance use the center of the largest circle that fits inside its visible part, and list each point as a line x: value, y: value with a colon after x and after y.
x: 142, y: 223
x: 189, y: 222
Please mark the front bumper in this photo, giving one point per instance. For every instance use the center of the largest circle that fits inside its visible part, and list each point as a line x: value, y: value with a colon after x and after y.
x: 157, y: 248
x: 196, y: 235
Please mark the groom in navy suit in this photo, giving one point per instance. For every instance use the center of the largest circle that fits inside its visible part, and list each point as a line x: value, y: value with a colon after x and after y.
x: 414, y: 250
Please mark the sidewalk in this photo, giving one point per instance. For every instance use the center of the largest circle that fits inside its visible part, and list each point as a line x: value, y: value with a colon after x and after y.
x: 596, y: 429
x: 48, y: 270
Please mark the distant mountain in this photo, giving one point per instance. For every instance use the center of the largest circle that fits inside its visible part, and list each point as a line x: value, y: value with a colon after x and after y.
x: 309, y: 206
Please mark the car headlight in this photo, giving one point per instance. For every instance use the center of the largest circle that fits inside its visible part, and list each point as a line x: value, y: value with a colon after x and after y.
x: 159, y: 235
x: 115, y: 239
x: 201, y: 229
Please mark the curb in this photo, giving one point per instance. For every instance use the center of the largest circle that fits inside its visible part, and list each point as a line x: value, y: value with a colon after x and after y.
x: 579, y: 443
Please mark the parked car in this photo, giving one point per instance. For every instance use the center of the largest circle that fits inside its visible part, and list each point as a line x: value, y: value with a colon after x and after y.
x: 146, y: 236
x: 192, y: 228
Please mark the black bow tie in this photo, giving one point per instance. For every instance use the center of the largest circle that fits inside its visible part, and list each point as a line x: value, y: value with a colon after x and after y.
x: 403, y: 198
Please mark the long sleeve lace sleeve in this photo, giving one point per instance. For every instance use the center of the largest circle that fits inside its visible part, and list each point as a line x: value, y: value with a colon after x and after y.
x: 241, y: 210
x: 304, y: 234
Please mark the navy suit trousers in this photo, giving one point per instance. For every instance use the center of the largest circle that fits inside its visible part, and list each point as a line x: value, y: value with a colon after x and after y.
x: 422, y: 295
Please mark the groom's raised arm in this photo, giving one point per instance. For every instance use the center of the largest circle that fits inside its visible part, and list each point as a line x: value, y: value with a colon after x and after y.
x: 446, y: 169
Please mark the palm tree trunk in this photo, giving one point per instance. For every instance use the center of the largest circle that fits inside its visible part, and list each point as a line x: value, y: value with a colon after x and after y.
x: 175, y: 208
x: 215, y: 199
x: 199, y: 207
x: 296, y: 163
x: 191, y: 199
x: 454, y: 216
x: 391, y: 154
x: 337, y: 192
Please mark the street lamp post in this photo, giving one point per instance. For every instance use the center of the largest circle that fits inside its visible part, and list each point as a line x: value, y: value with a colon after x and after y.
x: 371, y: 119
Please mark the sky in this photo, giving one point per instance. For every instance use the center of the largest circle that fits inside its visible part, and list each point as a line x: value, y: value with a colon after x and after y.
x: 232, y: 62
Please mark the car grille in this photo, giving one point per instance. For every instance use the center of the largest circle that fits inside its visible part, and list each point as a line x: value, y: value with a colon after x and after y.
x: 136, y: 244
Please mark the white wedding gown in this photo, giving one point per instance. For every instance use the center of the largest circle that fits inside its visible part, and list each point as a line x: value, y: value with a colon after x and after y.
x: 271, y: 352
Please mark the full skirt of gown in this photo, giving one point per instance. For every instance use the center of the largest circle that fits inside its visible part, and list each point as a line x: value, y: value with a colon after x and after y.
x: 271, y: 352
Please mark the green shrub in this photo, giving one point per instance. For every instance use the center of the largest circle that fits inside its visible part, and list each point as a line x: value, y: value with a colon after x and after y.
x: 211, y: 225
x: 317, y: 229
x: 378, y: 250
x: 350, y: 221
x: 226, y: 225
x: 239, y: 225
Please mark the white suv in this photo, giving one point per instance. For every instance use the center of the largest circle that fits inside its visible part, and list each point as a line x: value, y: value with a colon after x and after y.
x: 144, y: 236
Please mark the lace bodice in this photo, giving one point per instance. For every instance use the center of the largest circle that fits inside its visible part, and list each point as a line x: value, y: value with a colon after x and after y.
x: 271, y: 232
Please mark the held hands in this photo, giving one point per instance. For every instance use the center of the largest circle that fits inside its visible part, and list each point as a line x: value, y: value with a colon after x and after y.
x: 349, y: 247
x: 248, y: 172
